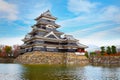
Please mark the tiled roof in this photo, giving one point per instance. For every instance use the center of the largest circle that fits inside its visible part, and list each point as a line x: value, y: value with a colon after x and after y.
x: 81, y: 45
x: 46, y: 14
x: 42, y: 21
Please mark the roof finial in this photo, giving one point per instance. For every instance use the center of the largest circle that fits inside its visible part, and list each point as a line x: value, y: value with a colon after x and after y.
x: 48, y: 10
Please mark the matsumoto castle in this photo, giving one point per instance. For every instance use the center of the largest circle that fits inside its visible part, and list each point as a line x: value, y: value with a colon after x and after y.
x: 45, y: 37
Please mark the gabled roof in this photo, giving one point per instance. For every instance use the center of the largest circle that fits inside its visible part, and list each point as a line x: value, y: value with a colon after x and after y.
x: 42, y: 21
x: 51, y: 33
x: 46, y: 14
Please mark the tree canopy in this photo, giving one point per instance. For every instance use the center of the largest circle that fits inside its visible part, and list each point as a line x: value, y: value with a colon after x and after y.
x: 114, y: 49
x: 102, y: 50
x: 109, y: 49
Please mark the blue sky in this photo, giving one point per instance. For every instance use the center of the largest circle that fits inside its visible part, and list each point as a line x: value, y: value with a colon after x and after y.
x: 93, y: 22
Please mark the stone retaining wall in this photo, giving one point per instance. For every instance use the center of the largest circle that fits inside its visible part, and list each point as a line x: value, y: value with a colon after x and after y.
x: 50, y: 58
x: 72, y: 58
x: 6, y: 60
x: 106, y: 60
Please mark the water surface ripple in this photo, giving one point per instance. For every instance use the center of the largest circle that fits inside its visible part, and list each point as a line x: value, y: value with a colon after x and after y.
x: 58, y: 72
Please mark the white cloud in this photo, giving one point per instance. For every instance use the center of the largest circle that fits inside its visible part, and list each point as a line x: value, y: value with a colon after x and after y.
x: 11, y: 41
x: 95, y: 44
x: 76, y: 20
x: 98, y: 42
x: 106, y: 34
x: 98, y: 35
x: 78, y: 6
x: 110, y: 13
x: 99, y: 26
x: 8, y: 10
x: 90, y: 29
x: 34, y: 11
x: 23, y: 28
x: 94, y: 13
x: 98, y: 38
x: 38, y: 8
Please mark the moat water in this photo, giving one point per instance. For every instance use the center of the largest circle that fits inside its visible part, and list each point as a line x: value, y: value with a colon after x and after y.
x: 58, y: 72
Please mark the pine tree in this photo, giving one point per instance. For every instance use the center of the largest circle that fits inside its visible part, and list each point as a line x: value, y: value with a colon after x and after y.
x: 108, y: 50
x: 114, y: 49
x: 102, y: 50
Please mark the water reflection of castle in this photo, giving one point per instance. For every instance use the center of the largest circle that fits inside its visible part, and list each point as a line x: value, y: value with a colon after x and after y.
x: 46, y: 37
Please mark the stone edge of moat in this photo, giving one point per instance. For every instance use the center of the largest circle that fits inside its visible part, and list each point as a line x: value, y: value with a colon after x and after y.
x: 62, y: 58
x: 105, y: 60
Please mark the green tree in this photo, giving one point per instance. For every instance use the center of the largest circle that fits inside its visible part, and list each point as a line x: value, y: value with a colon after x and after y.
x: 108, y: 50
x: 114, y: 49
x: 102, y: 50
x: 0, y: 50
x: 92, y: 53
x: 86, y: 54
x: 8, y: 50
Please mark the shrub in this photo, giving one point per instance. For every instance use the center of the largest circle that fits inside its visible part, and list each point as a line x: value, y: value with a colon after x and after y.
x: 86, y: 54
x: 92, y: 53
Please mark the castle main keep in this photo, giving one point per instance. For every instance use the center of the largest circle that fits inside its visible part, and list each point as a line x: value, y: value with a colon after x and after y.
x: 45, y: 37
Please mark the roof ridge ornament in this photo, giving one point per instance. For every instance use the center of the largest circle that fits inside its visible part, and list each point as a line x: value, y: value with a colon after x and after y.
x: 48, y: 13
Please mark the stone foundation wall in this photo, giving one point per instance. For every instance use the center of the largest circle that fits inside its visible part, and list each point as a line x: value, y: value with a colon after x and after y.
x: 72, y: 58
x: 6, y: 60
x: 50, y: 58
x: 105, y: 60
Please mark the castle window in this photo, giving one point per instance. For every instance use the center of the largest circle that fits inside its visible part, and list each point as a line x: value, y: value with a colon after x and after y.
x: 43, y: 27
x: 48, y: 20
